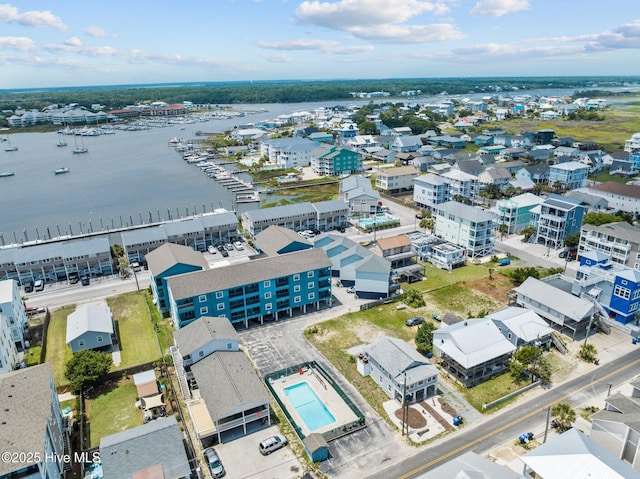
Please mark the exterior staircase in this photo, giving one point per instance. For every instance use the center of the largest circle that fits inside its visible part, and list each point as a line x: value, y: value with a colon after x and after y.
x: 557, y: 342
x: 180, y: 374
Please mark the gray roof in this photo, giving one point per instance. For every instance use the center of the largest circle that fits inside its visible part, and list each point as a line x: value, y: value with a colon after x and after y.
x: 355, y: 182
x: 398, y: 357
x: 540, y: 169
x: 64, y: 249
x: 169, y: 254
x: 572, y: 455
x: 228, y: 384
x: 431, y: 179
x: 92, y: 317
x: 292, y: 144
x: 555, y: 299
x: 472, y: 342
x: 143, y: 235
x: 275, y: 238
x: 270, y: 214
x: 587, y: 198
x: 219, y: 279
x: 330, y: 206
x: 157, y: 442
x: 26, y: 393
x: 203, y: 330
x: 467, y: 212
x: 526, y: 324
x: 622, y: 230
x: 470, y: 466
x: 627, y: 411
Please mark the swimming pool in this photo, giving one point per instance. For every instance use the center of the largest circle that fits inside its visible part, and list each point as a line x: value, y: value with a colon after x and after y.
x: 378, y: 221
x: 308, y: 406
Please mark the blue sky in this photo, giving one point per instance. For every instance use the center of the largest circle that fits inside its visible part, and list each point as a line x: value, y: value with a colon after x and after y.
x: 71, y: 43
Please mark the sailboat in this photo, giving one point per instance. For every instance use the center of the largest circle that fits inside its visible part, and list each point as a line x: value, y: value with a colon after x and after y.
x: 61, y: 141
x: 10, y: 147
x: 80, y: 148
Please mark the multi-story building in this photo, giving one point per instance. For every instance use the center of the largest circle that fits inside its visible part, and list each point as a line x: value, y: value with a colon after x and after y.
x: 461, y: 184
x: 515, y: 213
x: 357, y: 192
x: 288, y: 152
x: 632, y: 145
x: 619, y: 241
x: 466, y: 226
x: 32, y: 427
x: 403, y: 258
x: 330, y: 160
x: 571, y: 174
x: 394, y: 180
x: 266, y: 288
x: 430, y: 190
x: 614, y: 287
x: 323, y: 216
x: 620, y: 196
x: 13, y: 314
x: 555, y: 219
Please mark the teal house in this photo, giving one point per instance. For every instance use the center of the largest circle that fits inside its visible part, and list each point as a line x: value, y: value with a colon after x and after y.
x: 330, y: 160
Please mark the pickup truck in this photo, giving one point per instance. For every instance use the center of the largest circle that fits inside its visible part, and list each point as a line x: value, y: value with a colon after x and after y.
x: 32, y: 310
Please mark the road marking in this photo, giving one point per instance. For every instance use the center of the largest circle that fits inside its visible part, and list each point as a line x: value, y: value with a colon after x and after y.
x: 512, y: 423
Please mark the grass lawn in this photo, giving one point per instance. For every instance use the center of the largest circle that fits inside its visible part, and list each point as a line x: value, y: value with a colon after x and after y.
x: 491, y: 390
x: 112, y: 411
x: 461, y: 300
x: 34, y: 355
x: 58, y: 353
x: 437, y: 277
x: 163, y: 326
x: 607, y: 177
x: 138, y: 342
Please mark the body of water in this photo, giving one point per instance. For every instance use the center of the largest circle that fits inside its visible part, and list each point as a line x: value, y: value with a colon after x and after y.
x: 129, y: 177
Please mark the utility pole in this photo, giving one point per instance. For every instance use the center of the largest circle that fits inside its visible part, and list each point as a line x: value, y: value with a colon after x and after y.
x: 404, y: 405
x: 546, y: 424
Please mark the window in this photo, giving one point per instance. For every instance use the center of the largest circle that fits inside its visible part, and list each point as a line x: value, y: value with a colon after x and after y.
x: 204, y: 310
x: 268, y: 307
x: 296, y: 299
x: 624, y: 282
x: 220, y: 306
x: 229, y: 346
x: 312, y: 295
x: 309, y: 285
x: 310, y: 274
x: 201, y: 353
x: 81, y: 342
x: 99, y: 339
x: 267, y: 284
x: 202, y: 298
x: 621, y: 292
x: 296, y: 288
x: 296, y: 277
x: 219, y: 294
x: 267, y: 295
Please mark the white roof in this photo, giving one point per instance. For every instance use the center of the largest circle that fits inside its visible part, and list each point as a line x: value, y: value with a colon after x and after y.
x: 555, y: 300
x: 526, y: 324
x: 6, y: 291
x: 94, y: 317
x: 472, y: 342
x: 573, y: 455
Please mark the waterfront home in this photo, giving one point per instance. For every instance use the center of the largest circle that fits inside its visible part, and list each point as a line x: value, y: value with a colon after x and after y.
x: 515, y: 213
x: 395, y: 180
x: 288, y: 152
x: 330, y: 160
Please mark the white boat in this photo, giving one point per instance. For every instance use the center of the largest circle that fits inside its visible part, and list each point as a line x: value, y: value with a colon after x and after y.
x: 10, y: 147
x: 61, y: 141
x: 80, y: 148
x: 6, y: 173
x: 61, y: 171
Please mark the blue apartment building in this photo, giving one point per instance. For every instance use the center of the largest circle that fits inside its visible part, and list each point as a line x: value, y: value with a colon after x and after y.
x: 268, y: 288
x: 571, y: 174
x: 556, y: 218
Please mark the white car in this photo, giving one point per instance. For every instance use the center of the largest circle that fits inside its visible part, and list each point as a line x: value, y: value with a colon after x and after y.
x: 212, y: 249
x: 238, y: 245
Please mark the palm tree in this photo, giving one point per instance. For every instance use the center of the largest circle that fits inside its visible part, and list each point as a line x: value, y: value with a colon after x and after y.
x: 564, y: 415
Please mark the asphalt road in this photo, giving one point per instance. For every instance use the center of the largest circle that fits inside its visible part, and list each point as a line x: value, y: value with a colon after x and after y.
x: 507, y: 425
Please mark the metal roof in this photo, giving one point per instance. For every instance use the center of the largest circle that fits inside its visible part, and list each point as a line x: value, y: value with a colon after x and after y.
x: 91, y: 317
x: 555, y: 300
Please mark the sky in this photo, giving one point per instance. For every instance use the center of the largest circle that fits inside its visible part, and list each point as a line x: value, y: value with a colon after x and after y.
x: 111, y: 42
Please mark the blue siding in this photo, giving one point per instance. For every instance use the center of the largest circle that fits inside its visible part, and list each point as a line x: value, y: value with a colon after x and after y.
x: 159, y: 283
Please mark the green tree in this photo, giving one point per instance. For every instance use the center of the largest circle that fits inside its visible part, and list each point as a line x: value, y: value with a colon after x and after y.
x: 424, y: 337
x: 520, y: 275
x: 87, y: 366
x: 528, y: 232
x: 368, y: 128
x: 427, y: 223
x: 413, y: 298
x: 571, y: 241
x: 564, y: 415
x: 597, y: 218
x: 588, y: 352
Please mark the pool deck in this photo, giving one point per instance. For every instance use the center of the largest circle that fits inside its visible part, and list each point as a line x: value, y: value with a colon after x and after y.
x: 326, y: 394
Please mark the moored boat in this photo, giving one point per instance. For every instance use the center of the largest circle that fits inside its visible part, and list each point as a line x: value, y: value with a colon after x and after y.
x: 6, y: 173
x: 61, y: 171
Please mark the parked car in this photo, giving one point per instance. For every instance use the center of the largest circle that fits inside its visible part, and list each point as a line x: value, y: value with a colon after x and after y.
x: 215, y: 465
x: 212, y: 249
x: 28, y: 286
x: 85, y: 280
x: 224, y: 253
x: 416, y: 320
x: 38, y: 285
x: 271, y: 444
x: 351, y: 289
x: 229, y: 246
x: 73, y: 278
x: 563, y: 253
x: 238, y: 245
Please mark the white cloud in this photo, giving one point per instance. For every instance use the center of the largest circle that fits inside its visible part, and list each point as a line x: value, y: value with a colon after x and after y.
x: 328, y: 47
x: 22, y: 44
x: 497, y: 8
x: 624, y: 37
x: 279, y: 58
x: 73, y: 42
x: 34, y: 18
x: 96, y: 32
x: 409, y: 33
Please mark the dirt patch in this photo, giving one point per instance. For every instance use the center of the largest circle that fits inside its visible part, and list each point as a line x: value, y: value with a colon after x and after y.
x: 496, y: 288
x: 446, y: 407
x: 416, y: 420
x: 436, y: 415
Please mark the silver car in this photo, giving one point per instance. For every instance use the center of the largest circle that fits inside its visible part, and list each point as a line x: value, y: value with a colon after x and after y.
x: 215, y: 465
